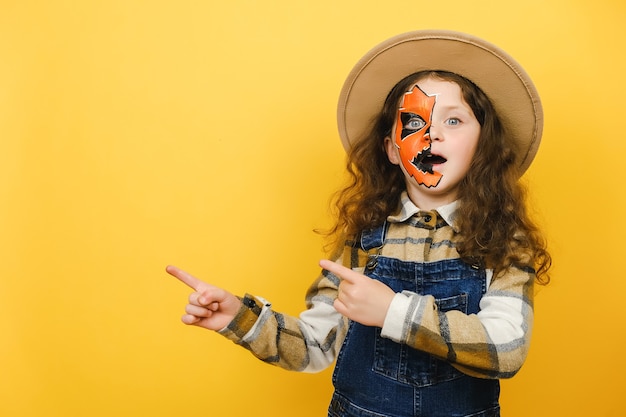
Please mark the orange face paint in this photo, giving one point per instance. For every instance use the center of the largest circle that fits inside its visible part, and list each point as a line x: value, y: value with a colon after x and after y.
x: 412, y: 136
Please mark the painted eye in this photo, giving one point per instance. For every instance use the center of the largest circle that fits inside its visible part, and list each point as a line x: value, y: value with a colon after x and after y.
x: 414, y: 123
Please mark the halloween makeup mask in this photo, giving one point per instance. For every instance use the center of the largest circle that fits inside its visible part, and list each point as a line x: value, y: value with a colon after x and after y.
x: 412, y: 136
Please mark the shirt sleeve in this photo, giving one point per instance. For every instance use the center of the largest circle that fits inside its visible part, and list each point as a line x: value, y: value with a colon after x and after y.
x: 490, y: 344
x: 308, y: 343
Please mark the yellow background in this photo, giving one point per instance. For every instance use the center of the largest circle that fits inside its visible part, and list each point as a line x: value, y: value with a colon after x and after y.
x: 134, y: 134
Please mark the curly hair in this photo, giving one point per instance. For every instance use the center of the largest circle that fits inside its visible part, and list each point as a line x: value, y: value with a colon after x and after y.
x: 495, y: 229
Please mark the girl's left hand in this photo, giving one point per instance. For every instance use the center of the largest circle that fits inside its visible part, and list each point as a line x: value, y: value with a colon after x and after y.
x: 360, y: 298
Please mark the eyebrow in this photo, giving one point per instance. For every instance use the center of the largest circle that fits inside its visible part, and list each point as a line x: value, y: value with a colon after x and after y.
x: 453, y: 107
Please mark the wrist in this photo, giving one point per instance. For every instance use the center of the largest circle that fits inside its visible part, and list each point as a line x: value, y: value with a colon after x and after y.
x: 393, y: 325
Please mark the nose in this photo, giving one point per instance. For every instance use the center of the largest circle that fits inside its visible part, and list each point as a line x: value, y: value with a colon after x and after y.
x: 434, y: 133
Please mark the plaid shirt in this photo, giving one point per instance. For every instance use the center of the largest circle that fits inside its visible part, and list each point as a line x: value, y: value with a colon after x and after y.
x: 491, y: 344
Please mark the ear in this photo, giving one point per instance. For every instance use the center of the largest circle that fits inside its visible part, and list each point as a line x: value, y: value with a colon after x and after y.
x: 392, y: 151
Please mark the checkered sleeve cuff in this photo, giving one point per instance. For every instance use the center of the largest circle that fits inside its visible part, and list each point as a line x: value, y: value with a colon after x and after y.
x: 246, y: 318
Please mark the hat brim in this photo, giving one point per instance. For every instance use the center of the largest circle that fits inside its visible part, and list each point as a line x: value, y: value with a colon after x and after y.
x: 497, y: 74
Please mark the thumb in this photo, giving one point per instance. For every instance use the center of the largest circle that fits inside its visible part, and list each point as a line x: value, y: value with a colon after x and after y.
x: 340, y: 307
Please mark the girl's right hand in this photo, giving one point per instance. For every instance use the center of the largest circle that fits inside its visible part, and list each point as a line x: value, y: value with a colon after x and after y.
x: 209, y: 306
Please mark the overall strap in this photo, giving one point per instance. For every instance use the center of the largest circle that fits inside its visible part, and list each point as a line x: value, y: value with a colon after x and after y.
x: 371, y: 242
x: 374, y: 238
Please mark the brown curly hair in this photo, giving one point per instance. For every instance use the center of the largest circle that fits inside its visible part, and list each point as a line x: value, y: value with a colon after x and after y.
x: 495, y: 229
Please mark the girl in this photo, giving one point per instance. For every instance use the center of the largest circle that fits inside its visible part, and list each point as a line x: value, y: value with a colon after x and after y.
x: 429, y: 299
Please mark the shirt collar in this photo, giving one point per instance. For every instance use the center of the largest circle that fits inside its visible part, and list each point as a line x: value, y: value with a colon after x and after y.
x: 407, y: 209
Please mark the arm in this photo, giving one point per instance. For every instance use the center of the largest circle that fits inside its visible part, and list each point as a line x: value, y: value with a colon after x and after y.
x: 491, y: 344
x: 308, y: 343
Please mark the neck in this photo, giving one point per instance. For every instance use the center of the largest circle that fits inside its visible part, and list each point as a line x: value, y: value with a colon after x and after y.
x: 429, y: 200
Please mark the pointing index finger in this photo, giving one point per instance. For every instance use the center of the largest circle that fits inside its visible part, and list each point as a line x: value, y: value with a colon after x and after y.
x: 183, y: 276
x: 338, y: 269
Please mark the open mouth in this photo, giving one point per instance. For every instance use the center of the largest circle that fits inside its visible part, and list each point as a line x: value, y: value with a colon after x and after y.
x: 425, y: 161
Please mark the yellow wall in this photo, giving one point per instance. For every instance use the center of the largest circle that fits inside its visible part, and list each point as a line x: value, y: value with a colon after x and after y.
x: 134, y: 134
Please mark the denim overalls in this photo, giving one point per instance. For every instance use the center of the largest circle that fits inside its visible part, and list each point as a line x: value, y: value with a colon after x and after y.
x: 376, y: 377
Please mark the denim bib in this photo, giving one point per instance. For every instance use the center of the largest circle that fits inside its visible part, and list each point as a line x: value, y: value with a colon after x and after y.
x: 377, y: 377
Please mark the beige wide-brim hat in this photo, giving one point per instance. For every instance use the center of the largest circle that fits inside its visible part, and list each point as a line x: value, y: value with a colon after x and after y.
x: 501, y: 78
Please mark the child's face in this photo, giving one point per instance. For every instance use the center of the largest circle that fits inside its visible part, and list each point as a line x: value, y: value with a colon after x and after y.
x: 434, y: 138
